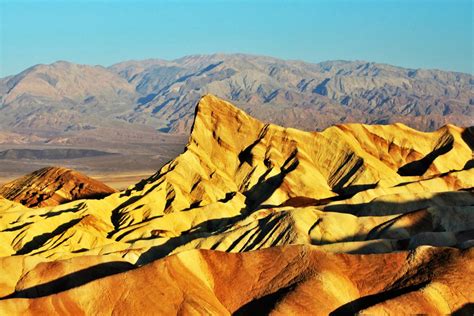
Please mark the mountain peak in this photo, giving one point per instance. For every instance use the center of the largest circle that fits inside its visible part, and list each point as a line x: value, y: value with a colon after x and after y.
x: 218, y: 119
x: 209, y: 104
x: 62, y: 63
x: 227, y: 138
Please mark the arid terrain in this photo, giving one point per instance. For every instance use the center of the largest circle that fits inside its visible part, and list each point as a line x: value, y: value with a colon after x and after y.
x: 116, y: 162
x: 138, y: 114
x: 249, y: 218
x: 64, y: 100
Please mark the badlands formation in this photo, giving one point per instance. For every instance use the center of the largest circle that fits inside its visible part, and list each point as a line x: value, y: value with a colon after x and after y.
x: 53, y: 186
x: 254, y: 218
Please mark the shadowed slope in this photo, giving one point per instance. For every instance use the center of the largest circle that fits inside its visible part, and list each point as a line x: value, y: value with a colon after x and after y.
x: 288, y: 280
x: 236, y: 183
x: 243, y: 185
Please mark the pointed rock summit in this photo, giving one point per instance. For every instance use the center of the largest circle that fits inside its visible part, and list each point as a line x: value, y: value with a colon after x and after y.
x: 323, y: 164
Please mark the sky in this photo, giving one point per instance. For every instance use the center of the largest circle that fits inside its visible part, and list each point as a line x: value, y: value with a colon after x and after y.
x: 409, y: 33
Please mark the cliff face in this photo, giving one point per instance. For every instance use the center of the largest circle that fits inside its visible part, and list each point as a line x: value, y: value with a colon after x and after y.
x: 53, y: 186
x: 385, y: 199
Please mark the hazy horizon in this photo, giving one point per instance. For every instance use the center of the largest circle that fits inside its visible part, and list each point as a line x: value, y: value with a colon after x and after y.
x: 410, y: 34
x: 229, y: 54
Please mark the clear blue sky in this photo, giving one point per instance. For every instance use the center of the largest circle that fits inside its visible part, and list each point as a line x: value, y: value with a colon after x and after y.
x: 409, y: 33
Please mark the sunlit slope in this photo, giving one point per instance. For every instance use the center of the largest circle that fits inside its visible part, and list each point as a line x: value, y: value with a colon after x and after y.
x: 341, y: 222
x: 285, y: 280
x: 243, y: 185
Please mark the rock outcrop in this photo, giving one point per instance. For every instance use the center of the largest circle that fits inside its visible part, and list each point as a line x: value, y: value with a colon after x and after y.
x: 356, y: 218
x: 53, y: 186
x: 290, y: 280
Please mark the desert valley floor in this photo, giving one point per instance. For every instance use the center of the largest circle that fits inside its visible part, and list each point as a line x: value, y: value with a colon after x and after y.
x: 252, y: 218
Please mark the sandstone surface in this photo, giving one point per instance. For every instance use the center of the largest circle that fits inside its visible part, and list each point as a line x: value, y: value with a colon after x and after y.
x: 257, y: 217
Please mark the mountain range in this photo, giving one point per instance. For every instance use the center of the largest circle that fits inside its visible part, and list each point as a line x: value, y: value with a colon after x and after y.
x: 68, y: 99
x: 257, y: 218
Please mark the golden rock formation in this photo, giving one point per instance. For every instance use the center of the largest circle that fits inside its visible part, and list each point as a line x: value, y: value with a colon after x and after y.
x: 289, y: 280
x: 389, y: 197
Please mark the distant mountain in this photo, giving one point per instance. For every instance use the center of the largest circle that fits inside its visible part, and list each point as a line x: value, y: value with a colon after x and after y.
x: 68, y: 98
x: 62, y: 97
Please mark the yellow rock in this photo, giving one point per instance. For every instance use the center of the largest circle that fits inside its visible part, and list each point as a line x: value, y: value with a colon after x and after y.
x: 243, y: 185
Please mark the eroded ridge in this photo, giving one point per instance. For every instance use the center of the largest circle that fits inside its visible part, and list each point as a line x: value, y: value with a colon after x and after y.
x: 244, y: 185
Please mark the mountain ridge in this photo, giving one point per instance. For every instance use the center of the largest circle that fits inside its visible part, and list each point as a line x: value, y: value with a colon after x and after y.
x: 226, y: 179
x: 162, y: 94
x: 287, y: 217
x: 301, y: 61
